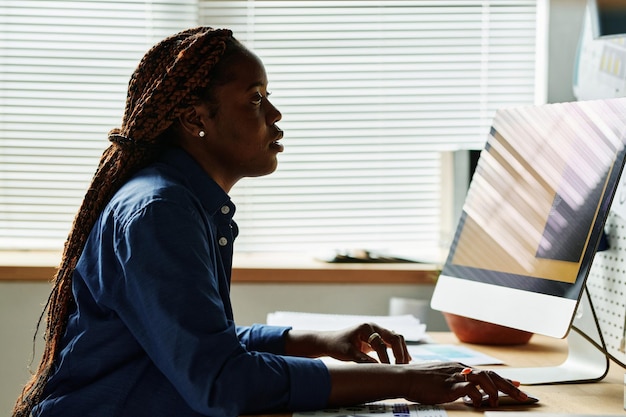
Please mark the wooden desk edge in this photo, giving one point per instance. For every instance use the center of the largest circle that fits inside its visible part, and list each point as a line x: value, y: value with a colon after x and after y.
x: 42, y: 266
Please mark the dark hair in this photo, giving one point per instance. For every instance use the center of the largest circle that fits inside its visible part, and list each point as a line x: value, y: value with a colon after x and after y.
x: 169, y: 75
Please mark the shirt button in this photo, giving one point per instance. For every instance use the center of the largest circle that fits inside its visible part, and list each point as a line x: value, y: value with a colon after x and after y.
x: 225, y: 209
x: 223, y: 241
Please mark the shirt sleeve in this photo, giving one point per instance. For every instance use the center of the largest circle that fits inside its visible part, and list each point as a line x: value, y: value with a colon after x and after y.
x: 263, y: 338
x: 167, y: 293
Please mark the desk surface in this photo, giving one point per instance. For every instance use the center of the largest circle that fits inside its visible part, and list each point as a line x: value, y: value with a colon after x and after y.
x: 598, y: 398
x: 603, y: 397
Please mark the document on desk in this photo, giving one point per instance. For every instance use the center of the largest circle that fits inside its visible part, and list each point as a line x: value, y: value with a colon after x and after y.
x: 407, y: 325
x: 434, y: 352
x: 379, y: 410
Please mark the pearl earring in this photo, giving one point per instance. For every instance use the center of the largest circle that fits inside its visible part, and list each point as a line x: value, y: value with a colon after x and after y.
x: 201, y: 133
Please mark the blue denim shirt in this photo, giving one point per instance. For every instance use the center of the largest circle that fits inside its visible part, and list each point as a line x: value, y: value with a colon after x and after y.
x: 152, y: 332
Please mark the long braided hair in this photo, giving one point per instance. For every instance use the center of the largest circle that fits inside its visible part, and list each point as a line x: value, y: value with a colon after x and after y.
x: 170, y: 73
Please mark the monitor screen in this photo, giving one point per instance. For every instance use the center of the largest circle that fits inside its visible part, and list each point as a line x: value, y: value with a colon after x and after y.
x: 608, y: 17
x: 534, y: 214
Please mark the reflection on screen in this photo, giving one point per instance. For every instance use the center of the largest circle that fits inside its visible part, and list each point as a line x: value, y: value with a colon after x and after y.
x: 540, y: 193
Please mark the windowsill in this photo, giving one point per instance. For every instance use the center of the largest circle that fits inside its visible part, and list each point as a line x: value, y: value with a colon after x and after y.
x: 248, y: 268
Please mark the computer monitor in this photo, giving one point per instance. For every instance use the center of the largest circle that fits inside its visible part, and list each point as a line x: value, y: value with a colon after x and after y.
x: 608, y: 17
x: 600, y: 61
x: 531, y: 222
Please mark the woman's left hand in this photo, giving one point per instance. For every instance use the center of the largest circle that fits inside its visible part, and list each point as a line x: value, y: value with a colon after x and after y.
x: 351, y: 344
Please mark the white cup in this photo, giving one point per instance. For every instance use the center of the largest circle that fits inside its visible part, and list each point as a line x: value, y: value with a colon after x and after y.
x: 399, y: 306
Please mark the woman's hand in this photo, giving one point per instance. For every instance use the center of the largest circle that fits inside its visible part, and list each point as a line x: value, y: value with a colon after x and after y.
x: 436, y: 383
x: 351, y: 344
x: 427, y: 383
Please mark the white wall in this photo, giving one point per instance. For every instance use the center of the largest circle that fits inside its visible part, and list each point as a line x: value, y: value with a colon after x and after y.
x: 252, y: 302
x: 565, y: 21
x: 20, y: 306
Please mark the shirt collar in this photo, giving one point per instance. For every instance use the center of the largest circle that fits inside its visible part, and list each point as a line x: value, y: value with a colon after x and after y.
x: 210, y: 194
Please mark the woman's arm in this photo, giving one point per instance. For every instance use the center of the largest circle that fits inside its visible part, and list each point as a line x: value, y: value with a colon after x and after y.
x: 427, y: 383
x: 368, y: 380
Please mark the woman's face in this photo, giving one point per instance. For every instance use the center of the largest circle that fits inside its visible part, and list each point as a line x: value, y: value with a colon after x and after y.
x: 242, y: 135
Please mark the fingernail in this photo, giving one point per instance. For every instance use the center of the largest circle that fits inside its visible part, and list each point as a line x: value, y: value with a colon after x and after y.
x: 523, y: 395
x: 516, y: 383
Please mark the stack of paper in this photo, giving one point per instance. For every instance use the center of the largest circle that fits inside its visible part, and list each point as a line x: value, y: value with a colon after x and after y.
x: 406, y: 325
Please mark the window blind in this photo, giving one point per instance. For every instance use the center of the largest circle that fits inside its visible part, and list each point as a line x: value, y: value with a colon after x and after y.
x: 371, y: 92
x: 64, y: 70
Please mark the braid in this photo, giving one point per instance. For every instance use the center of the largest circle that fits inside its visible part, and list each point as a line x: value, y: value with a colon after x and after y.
x: 166, y: 76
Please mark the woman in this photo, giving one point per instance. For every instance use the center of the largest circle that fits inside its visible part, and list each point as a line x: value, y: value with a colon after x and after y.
x: 139, y: 321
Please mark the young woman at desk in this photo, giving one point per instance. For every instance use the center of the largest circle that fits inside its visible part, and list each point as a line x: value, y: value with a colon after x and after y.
x: 139, y: 321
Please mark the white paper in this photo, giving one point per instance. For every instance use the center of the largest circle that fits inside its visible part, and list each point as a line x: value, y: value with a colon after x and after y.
x: 378, y: 410
x: 433, y: 352
x: 406, y: 325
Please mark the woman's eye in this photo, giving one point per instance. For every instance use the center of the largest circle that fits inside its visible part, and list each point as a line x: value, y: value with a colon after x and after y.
x: 256, y: 100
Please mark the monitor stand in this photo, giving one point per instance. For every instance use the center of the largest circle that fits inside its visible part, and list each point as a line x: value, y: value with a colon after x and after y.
x: 585, y: 361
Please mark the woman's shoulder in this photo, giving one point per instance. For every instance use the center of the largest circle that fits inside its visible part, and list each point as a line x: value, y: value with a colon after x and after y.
x: 154, y: 182
x: 152, y: 186
x: 172, y: 183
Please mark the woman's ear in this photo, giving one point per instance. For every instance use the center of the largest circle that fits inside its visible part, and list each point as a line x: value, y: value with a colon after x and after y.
x: 191, y: 121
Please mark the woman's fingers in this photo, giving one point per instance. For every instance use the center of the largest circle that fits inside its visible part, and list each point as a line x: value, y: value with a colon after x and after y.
x: 376, y: 342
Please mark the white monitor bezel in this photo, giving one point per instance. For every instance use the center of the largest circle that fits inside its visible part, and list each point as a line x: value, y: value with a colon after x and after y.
x: 451, y: 294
